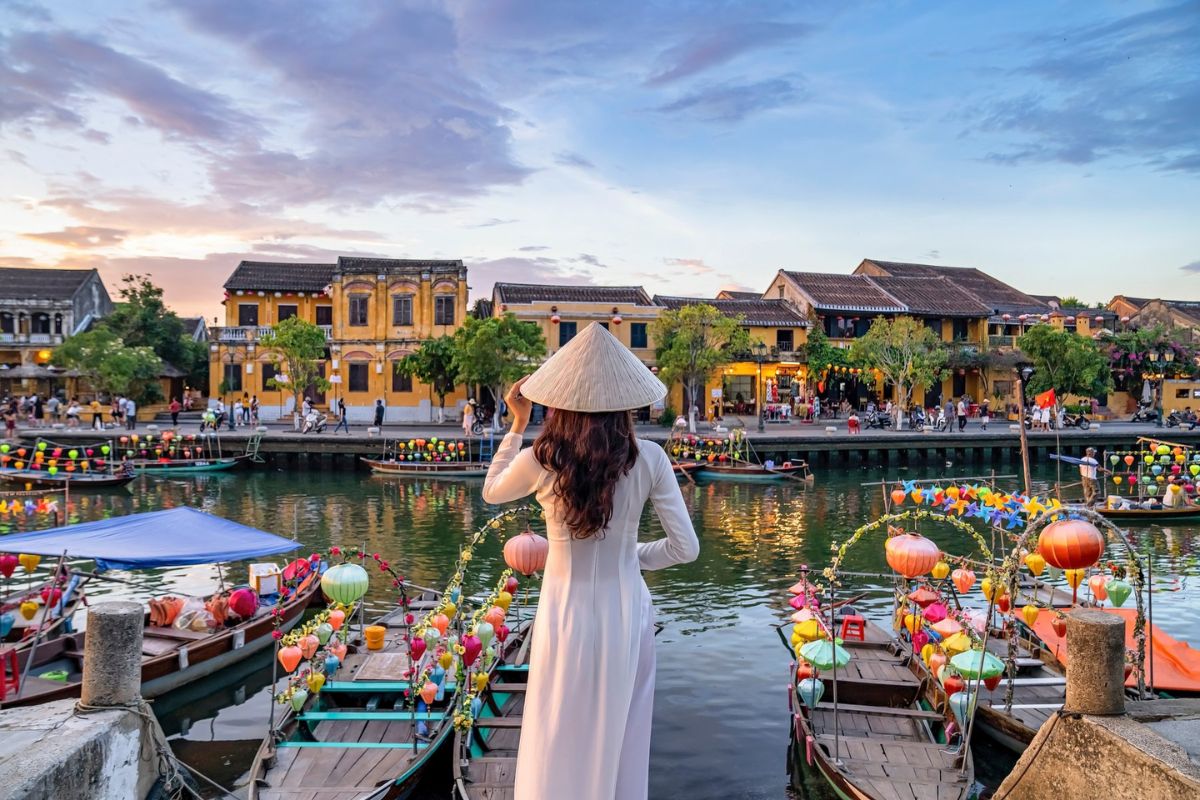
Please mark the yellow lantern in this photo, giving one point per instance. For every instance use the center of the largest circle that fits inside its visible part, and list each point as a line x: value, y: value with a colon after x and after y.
x: 927, y: 653
x: 911, y: 623
x: 958, y: 643
x: 806, y: 631
x: 28, y: 609
x: 29, y: 561
x: 1036, y: 563
x: 940, y: 570
x: 1074, y: 577
x: 445, y: 660
x: 1030, y: 613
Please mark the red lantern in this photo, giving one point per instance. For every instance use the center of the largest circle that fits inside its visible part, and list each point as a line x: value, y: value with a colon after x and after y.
x: 1071, y: 544
x: 526, y: 553
x: 911, y: 554
x: 555, y: 318
x: 898, y: 496
x: 243, y: 602
x: 1060, y: 627
x: 953, y: 685
x: 922, y: 596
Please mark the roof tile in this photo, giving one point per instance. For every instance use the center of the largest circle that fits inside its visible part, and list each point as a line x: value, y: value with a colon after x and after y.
x: 277, y: 276
x: 42, y: 284
x: 830, y: 292
x: 756, y: 312
x: 551, y: 293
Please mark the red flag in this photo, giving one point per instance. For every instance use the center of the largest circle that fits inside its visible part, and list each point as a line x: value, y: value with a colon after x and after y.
x: 1045, y: 399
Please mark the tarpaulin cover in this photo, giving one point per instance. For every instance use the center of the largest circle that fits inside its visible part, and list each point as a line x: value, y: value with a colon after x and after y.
x: 174, y: 537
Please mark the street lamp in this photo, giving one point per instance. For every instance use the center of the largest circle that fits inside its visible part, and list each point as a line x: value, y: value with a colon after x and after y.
x: 1024, y: 373
x: 760, y: 350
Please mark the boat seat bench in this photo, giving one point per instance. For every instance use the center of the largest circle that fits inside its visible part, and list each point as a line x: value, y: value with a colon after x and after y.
x: 357, y: 745
x: 883, y: 711
x: 420, y: 716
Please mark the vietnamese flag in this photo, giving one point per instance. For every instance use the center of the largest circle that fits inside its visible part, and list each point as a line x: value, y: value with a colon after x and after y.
x: 1045, y: 399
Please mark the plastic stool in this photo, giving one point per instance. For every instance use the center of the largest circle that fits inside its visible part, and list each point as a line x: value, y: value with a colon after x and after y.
x: 853, y: 627
x: 8, y: 663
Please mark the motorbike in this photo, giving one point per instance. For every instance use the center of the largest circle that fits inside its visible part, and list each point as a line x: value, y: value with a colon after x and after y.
x: 315, y: 422
x: 1145, y: 413
x: 212, y: 420
x: 1177, y: 419
x: 1070, y: 420
x: 877, y: 419
x: 916, y: 419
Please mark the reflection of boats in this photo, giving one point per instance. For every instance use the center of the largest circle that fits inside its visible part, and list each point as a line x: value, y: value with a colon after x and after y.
x: 76, y: 481
x: 429, y: 458
x: 354, y: 739
x: 486, y: 755
x: 171, y: 657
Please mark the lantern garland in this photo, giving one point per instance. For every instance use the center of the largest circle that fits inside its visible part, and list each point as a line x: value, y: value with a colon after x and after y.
x: 990, y: 505
x: 432, y: 449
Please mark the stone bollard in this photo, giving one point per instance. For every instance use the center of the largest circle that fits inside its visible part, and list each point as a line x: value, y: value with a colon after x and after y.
x: 112, y: 654
x: 1096, y: 662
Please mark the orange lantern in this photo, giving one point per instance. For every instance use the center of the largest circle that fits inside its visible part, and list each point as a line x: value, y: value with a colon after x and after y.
x: 911, y: 554
x: 1099, y: 587
x: 526, y: 553
x: 289, y: 657
x: 1071, y: 544
x: 963, y: 579
x: 898, y: 496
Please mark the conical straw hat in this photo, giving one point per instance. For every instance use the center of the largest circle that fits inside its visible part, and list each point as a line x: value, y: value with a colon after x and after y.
x: 594, y: 372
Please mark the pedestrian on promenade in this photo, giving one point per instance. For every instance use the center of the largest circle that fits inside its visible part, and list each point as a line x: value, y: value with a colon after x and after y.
x: 468, y: 420
x: 962, y: 413
x: 245, y: 409
x: 238, y: 412
x: 342, y: 422
x: 379, y: 413
x: 985, y: 413
x: 254, y: 410
x: 595, y: 620
x: 97, y: 413
x: 73, y: 413
x: 10, y: 421
x: 233, y: 417
x: 130, y: 414
x: 39, y: 411
x: 174, y: 408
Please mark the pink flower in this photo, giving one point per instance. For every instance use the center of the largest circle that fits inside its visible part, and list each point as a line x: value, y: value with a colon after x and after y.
x: 395, y: 583
x: 277, y: 635
x: 335, y: 551
x: 375, y: 556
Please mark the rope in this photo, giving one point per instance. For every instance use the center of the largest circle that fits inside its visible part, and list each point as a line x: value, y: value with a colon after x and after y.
x: 173, y: 780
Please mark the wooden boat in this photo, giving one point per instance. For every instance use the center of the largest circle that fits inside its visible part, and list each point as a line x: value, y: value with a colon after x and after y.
x: 485, y: 766
x: 756, y: 473
x: 355, y: 740
x: 1150, y: 514
x: 427, y: 469
x: 40, y: 479
x: 186, y: 466
x: 684, y: 469
x: 878, y: 741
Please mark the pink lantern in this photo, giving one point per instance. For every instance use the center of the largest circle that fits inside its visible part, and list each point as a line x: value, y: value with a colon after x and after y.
x: 935, y: 612
x: 919, y: 640
x: 526, y: 552
x: 471, y: 649
x: 243, y: 602
x: 502, y: 632
x: 416, y: 648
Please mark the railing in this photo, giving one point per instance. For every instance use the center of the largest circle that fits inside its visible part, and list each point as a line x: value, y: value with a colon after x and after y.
x: 1003, y: 341
x: 252, y: 333
x: 8, y: 337
x: 328, y: 331
x: 32, y: 338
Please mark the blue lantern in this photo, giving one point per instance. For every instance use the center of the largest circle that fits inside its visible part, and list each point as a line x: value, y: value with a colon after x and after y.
x: 811, y: 690
x: 331, y: 665
x: 961, y: 705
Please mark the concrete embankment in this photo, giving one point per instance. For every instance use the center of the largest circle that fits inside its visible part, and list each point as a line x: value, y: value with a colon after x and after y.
x: 1098, y: 745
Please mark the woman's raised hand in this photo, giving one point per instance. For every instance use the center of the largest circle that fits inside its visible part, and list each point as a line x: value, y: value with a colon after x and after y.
x: 519, y: 406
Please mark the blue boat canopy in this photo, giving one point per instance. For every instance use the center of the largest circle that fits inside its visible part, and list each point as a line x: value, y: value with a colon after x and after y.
x: 175, y: 537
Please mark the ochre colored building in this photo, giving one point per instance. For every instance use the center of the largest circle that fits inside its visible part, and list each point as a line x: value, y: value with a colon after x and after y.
x: 374, y: 311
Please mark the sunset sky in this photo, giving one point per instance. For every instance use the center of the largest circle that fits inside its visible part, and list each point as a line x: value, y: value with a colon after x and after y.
x: 686, y: 147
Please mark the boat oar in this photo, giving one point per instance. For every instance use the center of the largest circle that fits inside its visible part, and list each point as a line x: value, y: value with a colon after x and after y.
x: 686, y: 473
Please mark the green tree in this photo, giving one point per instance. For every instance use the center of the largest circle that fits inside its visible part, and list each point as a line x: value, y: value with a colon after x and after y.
x: 1065, y: 362
x: 692, y: 342
x: 906, y: 352
x: 1071, y: 301
x: 433, y: 364
x: 142, y: 319
x: 297, y: 349
x: 114, y: 366
x: 495, y: 352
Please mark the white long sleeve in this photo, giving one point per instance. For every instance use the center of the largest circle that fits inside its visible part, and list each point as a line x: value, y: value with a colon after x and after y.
x: 680, y: 545
x: 514, y: 473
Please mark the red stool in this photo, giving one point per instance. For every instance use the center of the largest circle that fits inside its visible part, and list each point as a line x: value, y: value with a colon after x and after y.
x: 853, y: 627
x: 8, y: 664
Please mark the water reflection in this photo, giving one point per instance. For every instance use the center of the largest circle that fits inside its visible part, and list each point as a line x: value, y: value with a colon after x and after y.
x: 721, y: 720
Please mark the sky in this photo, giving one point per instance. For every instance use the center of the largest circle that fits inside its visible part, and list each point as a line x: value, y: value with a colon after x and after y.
x: 685, y: 147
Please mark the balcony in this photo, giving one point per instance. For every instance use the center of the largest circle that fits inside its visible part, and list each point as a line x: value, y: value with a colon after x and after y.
x: 31, y: 338
x: 248, y: 334
x: 1003, y: 342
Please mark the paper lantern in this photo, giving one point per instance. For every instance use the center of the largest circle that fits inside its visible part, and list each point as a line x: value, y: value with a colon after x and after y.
x: 977, y: 664
x: 963, y: 579
x: 336, y: 618
x: 1035, y: 563
x: 898, y: 496
x: 810, y: 690
x: 29, y: 561
x: 958, y: 643
x: 308, y: 645
x: 8, y: 563
x: 485, y: 631
x: 1119, y: 591
x: 315, y: 681
x: 299, y: 698
x: 824, y: 655
x: 1074, y: 577
x: 935, y: 612
x: 1059, y: 625
x: 911, y: 554
x: 504, y: 600
x: 28, y: 609
x: 471, y: 649
x: 345, y: 583
x: 243, y: 602
x: 923, y: 596
x: 416, y: 648
x: 441, y: 622
x: 1099, y: 589
x: 940, y: 570
x: 495, y: 616
x: 289, y: 657
x: 323, y: 632
x: 961, y: 705
x: 937, y: 661
x: 1071, y: 544
x: 1030, y: 613
x: 526, y: 553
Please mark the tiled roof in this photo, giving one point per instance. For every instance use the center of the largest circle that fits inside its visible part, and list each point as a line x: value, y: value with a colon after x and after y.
x: 992, y: 292
x: 280, y: 276
x: 549, y: 293
x: 756, y: 312
x: 831, y: 292
x: 933, y: 297
x: 42, y: 284
x: 388, y: 266
x: 727, y: 294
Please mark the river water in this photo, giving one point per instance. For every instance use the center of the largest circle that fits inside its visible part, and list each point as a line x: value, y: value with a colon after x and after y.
x: 720, y: 717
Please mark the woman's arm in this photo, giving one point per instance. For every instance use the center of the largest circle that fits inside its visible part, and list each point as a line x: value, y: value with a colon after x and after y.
x: 681, y: 545
x: 513, y: 473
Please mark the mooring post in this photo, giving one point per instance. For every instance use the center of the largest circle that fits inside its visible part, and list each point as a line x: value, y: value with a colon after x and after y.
x: 112, y: 654
x: 1096, y: 663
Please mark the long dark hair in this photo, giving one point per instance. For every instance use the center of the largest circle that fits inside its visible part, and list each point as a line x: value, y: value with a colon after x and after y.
x: 587, y: 453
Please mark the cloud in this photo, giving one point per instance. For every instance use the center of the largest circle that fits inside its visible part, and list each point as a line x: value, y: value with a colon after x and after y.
x: 1127, y: 88
x: 533, y: 248
x: 933, y: 254
x: 52, y: 77
x: 697, y: 267
x: 484, y: 272
x: 311, y: 253
x: 384, y: 108
x: 492, y: 223
x: 81, y: 236
x: 590, y: 260
x: 720, y: 45
x: 1191, y: 267
x: 569, y: 159
x: 733, y: 102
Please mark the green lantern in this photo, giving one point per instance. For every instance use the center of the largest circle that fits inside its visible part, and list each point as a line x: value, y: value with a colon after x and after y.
x: 977, y: 665
x: 1119, y: 591
x: 824, y: 654
x: 41, y: 446
x: 345, y: 583
x: 323, y: 632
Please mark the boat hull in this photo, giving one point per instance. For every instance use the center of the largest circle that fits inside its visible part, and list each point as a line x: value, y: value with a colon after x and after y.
x: 1150, y: 514
x: 752, y: 473
x: 41, y: 480
x: 188, y: 467
x: 428, y: 469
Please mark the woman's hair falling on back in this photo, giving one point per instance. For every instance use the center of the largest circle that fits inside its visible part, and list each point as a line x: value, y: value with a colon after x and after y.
x: 587, y: 454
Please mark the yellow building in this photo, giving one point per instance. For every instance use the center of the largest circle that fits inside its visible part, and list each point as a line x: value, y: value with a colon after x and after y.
x: 374, y: 311
x: 775, y: 375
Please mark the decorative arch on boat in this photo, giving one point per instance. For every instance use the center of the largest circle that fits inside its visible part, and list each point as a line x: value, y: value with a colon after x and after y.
x: 904, y: 516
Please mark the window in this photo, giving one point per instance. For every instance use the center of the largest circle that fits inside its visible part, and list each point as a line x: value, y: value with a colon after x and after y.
x: 402, y: 309
x: 637, y: 334
x: 566, y: 332
x: 400, y: 382
x: 58, y: 320
x: 40, y: 323
x: 358, y: 378
x: 247, y: 313
x: 286, y: 312
x: 961, y: 331
x: 233, y: 377
x: 268, y: 373
x: 357, y: 312
x: 324, y: 315
x: 443, y: 310
x: 934, y: 324
x: 7, y: 322
x: 1181, y: 394
x: 783, y: 340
